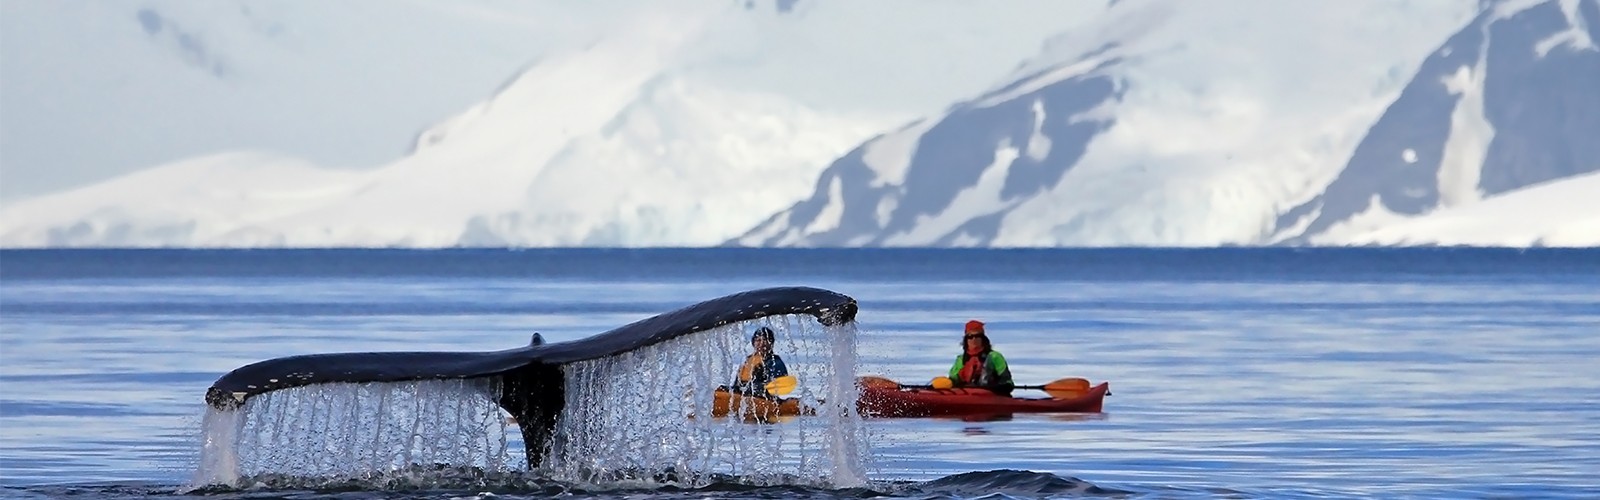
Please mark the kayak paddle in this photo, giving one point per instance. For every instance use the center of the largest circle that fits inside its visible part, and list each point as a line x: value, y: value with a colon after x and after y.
x: 1066, y: 388
x: 877, y: 382
x: 782, y: 385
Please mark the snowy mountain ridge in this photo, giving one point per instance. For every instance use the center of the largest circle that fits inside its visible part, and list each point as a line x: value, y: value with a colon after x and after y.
x: 1150, y: 154
x: 1141, y: 122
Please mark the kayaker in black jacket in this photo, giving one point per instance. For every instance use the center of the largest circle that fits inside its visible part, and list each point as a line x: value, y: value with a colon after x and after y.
x: 761, y: 367
x: 979, y: 365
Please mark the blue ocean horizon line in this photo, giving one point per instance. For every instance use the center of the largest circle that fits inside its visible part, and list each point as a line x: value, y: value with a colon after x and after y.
x: 657, y: 263
x: 1081, y: 249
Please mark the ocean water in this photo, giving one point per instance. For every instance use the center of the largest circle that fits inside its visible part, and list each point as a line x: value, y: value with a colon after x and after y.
x: 1239, y: 373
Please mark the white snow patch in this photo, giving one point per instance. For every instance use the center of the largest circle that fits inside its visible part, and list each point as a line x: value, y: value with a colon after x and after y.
x: 1038, y: 142
x: 1468, y: 143
x: 1298, y: 228
x: 1507, y: 8
x: 889, y: 155
x: 831, y: 214
x: 1575, y: 37
x: 885, y: 209
x: 1043, y: 80
x: 1560, y: 213
x: 769, y: 230
x: 1103, y: 112
x: 981, y: 198
x: 791, y: 237
x: 1409, y: 155
x: 1375, y: 216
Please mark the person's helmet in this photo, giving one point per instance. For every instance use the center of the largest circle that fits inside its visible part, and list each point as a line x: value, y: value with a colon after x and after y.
x: 975, y: 329
x: 763, y: 332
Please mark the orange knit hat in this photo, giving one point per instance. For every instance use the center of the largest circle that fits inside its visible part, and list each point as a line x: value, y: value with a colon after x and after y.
x: 974, y: 326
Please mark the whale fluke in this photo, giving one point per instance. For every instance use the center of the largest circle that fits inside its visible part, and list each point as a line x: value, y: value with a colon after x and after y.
x: 530, y: 377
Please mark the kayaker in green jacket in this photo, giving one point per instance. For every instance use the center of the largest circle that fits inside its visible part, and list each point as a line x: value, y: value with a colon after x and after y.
x: 979, y: 365
x: 761, y: 367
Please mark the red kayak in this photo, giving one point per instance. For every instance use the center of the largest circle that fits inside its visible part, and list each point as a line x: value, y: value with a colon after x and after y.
x: 882, y: 400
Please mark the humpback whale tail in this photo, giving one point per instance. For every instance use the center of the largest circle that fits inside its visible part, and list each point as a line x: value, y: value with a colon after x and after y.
x: 531, y: 381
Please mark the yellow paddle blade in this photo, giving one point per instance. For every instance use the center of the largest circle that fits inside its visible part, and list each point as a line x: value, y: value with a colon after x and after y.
x: 876, y: 382
x: 1066, y: 388
x: 942, y: 383
x: 782, y: 385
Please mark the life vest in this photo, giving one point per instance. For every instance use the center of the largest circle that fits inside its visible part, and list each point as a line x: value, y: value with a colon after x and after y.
x: 987, y: 369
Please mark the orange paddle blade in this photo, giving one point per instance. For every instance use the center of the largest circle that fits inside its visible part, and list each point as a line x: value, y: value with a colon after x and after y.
x: 876, y: 382
x: 1068, y: 384
x: 1066, y: 388
x: 782, y: 385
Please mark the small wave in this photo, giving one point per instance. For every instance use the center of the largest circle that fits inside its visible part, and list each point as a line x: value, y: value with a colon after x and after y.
x: 455, y: 482
x: 1013, y: 483
x: 416, y: 478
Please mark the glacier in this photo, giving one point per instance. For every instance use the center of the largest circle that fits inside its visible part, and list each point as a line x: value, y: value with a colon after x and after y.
x: 1025, y: 124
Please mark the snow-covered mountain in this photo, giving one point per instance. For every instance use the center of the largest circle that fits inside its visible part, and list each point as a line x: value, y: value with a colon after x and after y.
x: 1133, y: 122
x: 1185, y: 124
x: 680, y: 124
x: 90, y: 90
x: 1509, y: 101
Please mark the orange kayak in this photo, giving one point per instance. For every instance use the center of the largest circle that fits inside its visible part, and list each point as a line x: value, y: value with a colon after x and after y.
x: 925, y: 402
x: 756, y: 407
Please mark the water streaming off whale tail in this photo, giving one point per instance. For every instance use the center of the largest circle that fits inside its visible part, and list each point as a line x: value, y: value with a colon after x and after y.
x: 638, y: 416
x: 343, y: 432
x: 644, y: 412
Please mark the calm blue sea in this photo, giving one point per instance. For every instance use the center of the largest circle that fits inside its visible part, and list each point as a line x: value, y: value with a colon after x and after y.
x: 1239, y: 373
